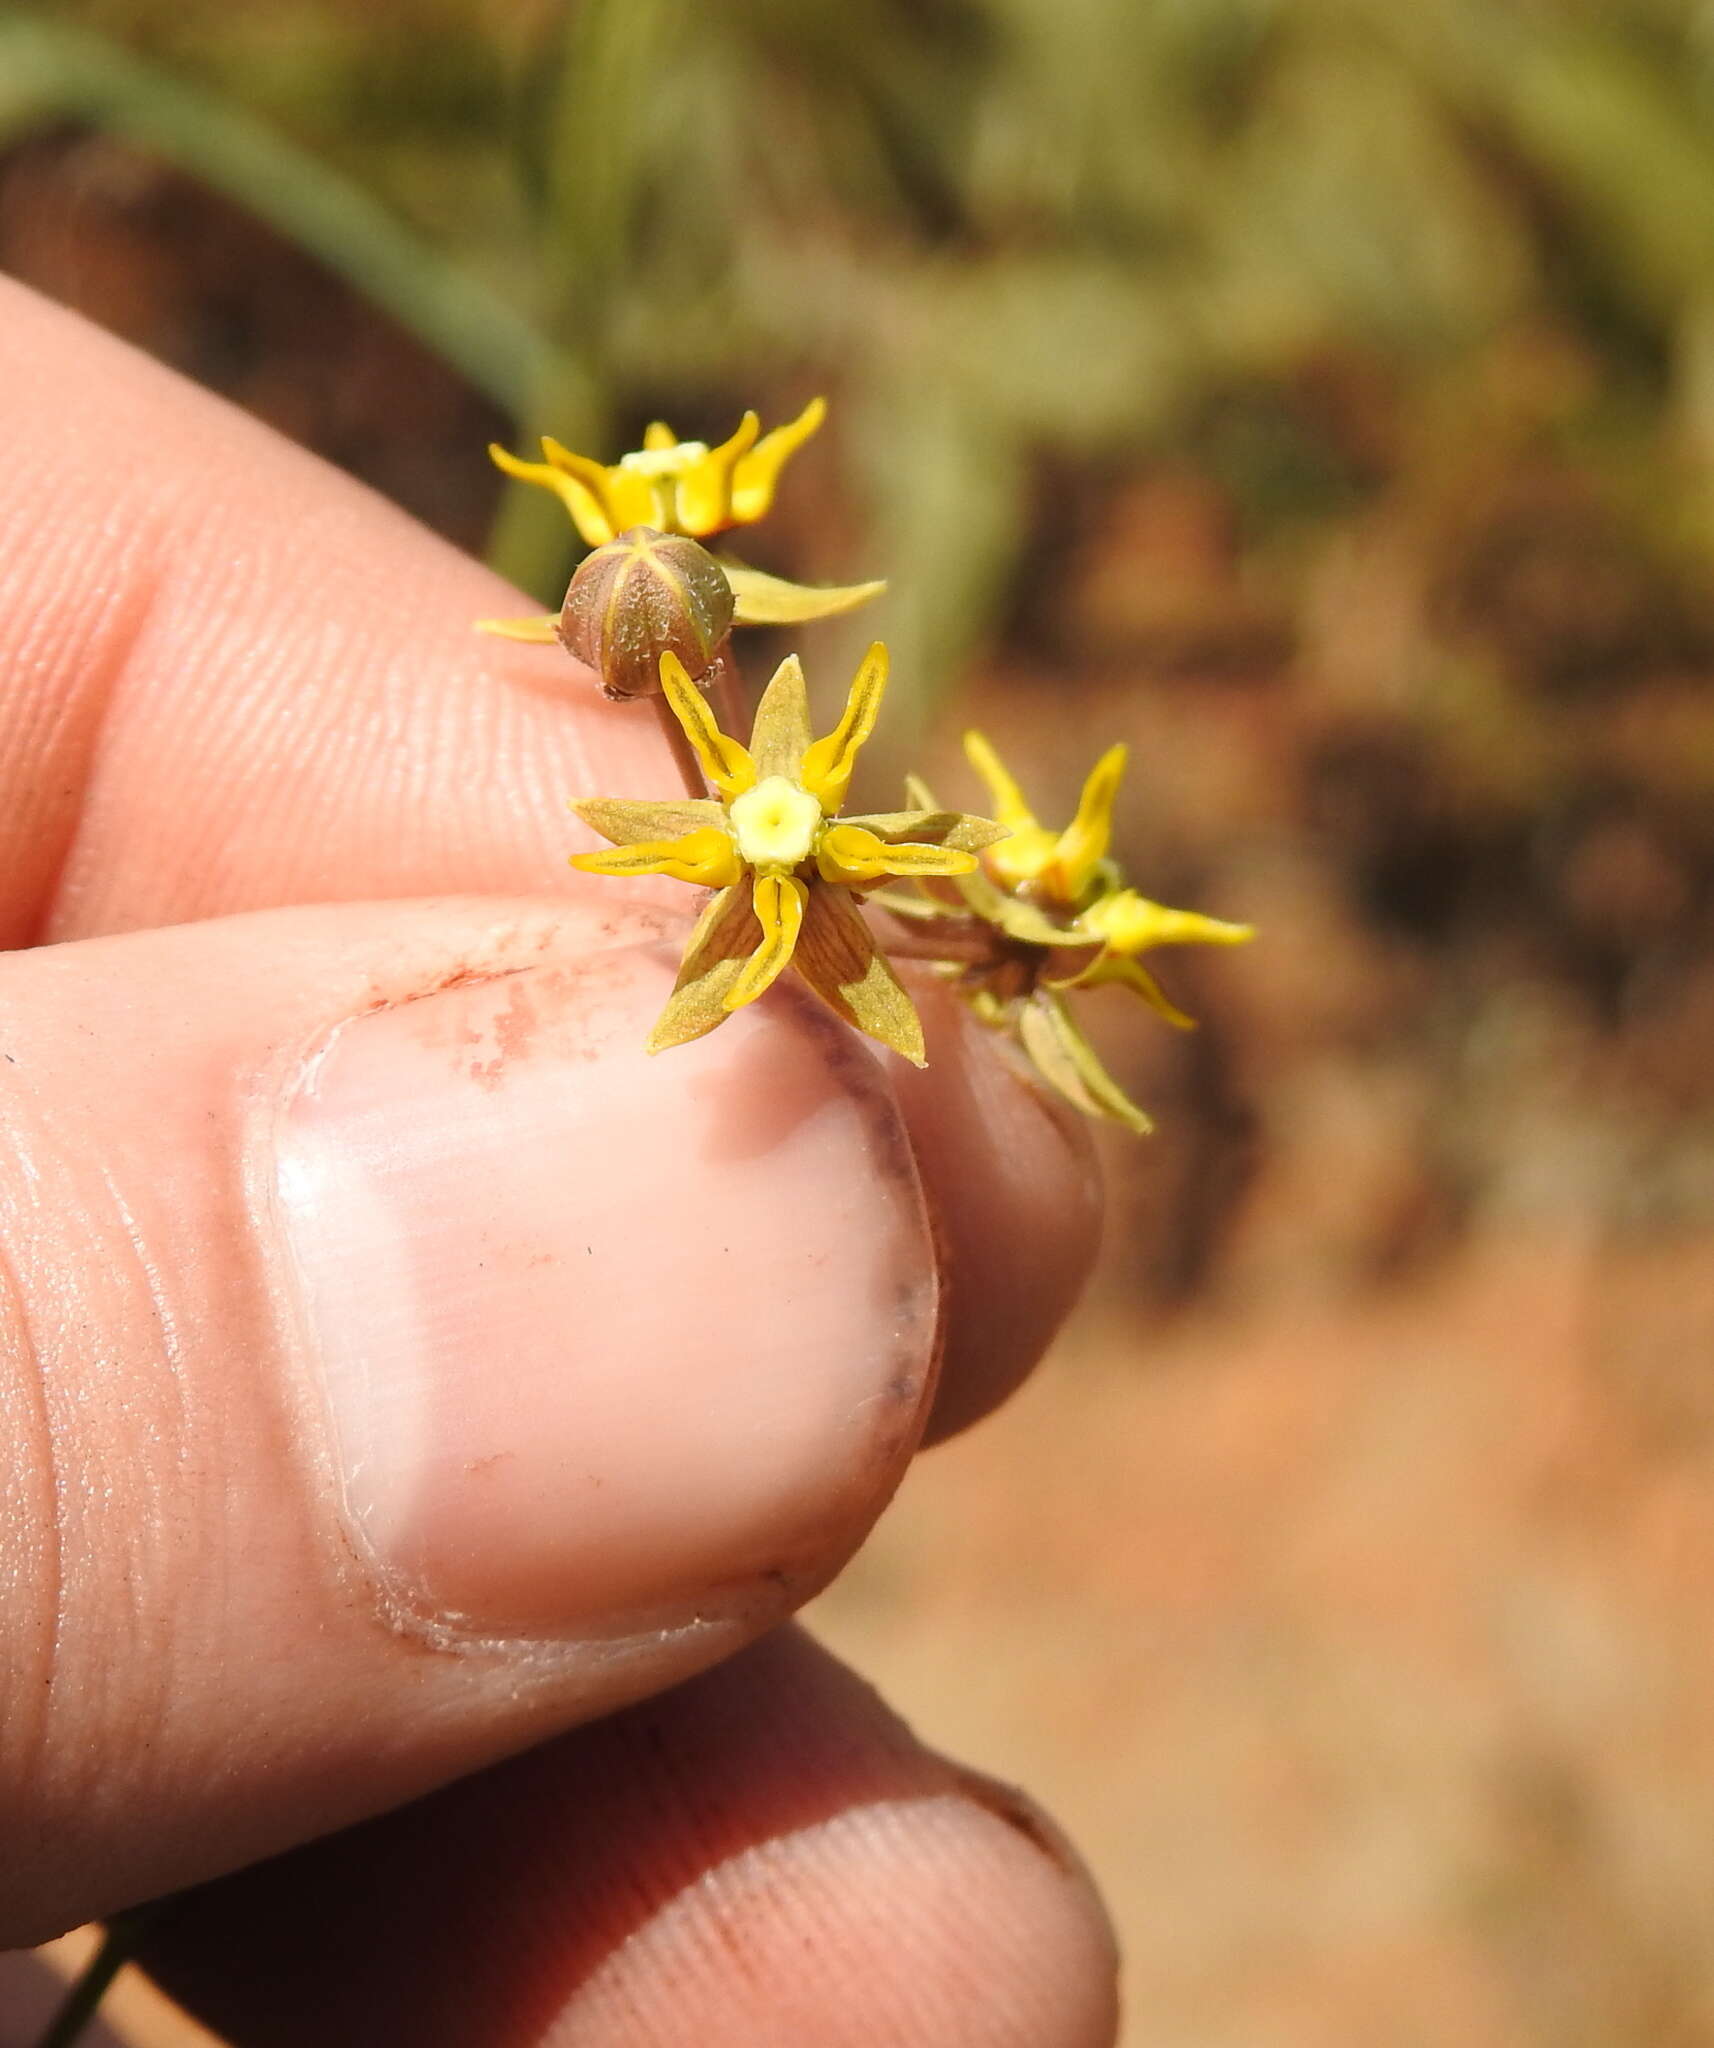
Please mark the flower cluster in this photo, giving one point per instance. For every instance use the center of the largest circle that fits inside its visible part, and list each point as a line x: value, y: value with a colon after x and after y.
x: 1061, y: 917
x: 1017, y: 914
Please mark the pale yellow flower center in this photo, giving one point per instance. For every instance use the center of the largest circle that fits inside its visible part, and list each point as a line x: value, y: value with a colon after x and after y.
x: 775, y: 823
x: 665, y: 462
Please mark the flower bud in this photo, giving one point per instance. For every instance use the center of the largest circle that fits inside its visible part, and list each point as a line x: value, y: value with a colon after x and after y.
x: 641, y: 596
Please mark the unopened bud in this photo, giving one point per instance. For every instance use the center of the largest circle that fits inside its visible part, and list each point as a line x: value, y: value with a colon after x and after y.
x: 639, y: 597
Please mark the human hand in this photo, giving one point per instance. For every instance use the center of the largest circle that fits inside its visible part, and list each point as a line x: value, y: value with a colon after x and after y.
x: 398, y: 1369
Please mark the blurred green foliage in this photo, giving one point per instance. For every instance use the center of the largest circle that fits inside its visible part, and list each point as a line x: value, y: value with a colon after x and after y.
x: 1317, y: 393
x: 1006, y: 232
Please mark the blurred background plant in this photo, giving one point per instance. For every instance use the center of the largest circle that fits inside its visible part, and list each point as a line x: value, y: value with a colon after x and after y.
x: 1320, y: 395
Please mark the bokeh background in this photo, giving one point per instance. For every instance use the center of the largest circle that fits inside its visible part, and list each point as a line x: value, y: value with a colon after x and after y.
x: 1318, y: 394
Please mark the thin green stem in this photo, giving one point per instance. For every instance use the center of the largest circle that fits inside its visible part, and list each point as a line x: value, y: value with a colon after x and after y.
x: 683, y: 753
x: 118, y: 1946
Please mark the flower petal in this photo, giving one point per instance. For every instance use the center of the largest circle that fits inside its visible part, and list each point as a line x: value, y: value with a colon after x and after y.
x: 1007, y: 799
x: 852, y: 854
x: 625, y: 822
x: 586, y: 505
x: 936, y: 827
x: 540, y: 631
x: 705, y: 488
x: 1083, y: 844
x: 725, y: 936
x: 755, y: 478
x: 778, y: 902
x: 634, y: 498
x: 780, y: 735
x: 1067, y: 1061
x: 764, y: 600
x: 1114, y: 969
x: 838, y: 957
x: 1016, y: 918
x: 1133, y: 924
x: 658, y: 437
x: 726, y: 764
x: 827, y: 765
x: 706, y: 857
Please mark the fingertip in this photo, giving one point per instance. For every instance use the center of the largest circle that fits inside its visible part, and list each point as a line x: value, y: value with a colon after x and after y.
x: 1014, y: 1187
x: 765, y: 1855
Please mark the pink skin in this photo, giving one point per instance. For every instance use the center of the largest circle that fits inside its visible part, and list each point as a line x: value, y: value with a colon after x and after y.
x: 397, y: 1369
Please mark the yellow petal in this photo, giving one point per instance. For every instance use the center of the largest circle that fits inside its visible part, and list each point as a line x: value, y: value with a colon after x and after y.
x: 1005, y: 797
x: 762, y: 600
x: 705, y: 488
x: 756, y: 476
x: 585, y: 505
x: 630, y: 497
x: 1131, y: 924
x: 706, y: 857
x: 727, y: 765
x: 724, y: 937
x: 1084, y: 842
x: 850, y: 854
x: 658, y: 437
x: 778, y: 901
x: 538, y: 632
x: 827, y: 766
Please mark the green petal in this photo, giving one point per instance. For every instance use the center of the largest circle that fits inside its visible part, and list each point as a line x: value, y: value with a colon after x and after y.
x: 1113, y: 969
x: 1067, y: 1061
x: 957, y: 829
x: 838, y: 957
x: 726, y: 935
x: 763, y: 600
x: 781, y: 734
x: 626, y: 823
x: 1016, y: 918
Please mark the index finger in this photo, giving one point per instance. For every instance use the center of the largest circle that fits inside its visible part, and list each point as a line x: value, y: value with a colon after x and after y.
x: 238, y: 679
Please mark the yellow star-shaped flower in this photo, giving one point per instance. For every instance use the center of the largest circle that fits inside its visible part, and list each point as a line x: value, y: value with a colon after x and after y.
x: 686, y: 489
x: 786, y: 867
x: 672, y: 485
x: 1064, y: 919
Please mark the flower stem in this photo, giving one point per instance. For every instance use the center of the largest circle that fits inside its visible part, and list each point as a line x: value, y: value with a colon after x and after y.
x: 89, y: 1987
x: 950, y: 942
x: 683, y: 753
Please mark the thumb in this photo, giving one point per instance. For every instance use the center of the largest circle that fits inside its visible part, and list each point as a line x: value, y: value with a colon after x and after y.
x: 396, y: 1365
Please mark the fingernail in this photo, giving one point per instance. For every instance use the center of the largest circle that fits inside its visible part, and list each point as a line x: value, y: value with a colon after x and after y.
x: 598, y: 1334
